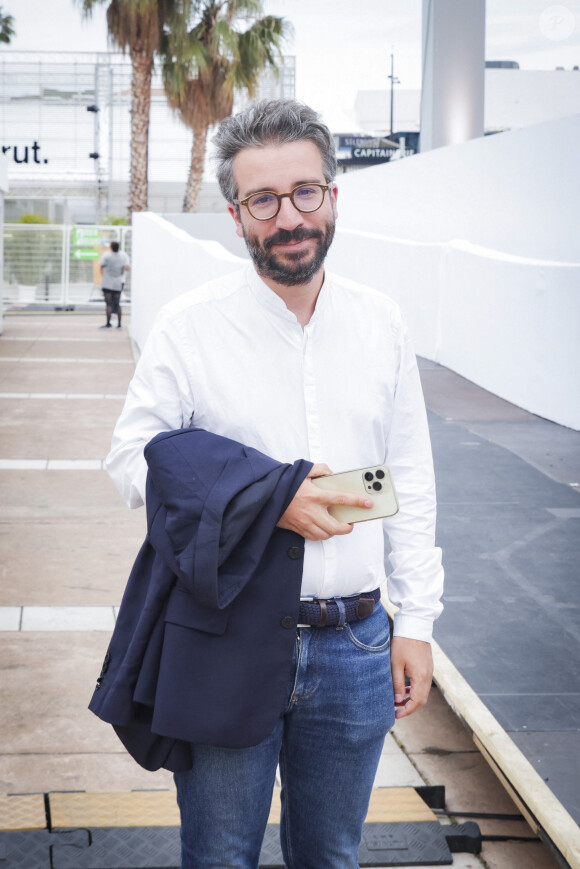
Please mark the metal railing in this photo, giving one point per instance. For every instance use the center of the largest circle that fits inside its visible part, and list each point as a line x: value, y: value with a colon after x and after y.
x: 58, y: 265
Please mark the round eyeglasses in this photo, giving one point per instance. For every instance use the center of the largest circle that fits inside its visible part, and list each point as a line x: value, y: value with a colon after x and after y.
x: 266, y: 204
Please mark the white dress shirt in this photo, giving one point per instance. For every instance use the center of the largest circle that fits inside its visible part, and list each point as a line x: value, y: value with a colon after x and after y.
x: 229, y: 357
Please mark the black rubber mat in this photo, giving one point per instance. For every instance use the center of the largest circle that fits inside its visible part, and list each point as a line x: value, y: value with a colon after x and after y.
x: 31, y: 849
x: 405, y: 844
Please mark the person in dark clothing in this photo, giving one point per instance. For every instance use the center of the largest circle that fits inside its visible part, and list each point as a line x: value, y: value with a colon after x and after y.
x: 113, y: 267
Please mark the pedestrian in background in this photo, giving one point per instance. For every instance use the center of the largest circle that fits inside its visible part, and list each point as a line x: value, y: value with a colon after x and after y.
x: 113, y: 267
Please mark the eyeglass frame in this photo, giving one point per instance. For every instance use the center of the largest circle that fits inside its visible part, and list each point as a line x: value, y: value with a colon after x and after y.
x: 280, y: 197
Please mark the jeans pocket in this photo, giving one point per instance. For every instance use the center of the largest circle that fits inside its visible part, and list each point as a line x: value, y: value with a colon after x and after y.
x: 371, y: 634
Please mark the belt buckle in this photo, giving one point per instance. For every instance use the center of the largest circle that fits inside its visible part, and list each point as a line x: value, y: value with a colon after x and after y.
x: 306, y: 599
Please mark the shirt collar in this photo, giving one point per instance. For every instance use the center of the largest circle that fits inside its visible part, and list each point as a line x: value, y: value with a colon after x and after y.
x: 272, y: 301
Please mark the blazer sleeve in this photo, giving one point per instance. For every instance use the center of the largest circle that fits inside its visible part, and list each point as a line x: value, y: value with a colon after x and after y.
x: 222, y: 502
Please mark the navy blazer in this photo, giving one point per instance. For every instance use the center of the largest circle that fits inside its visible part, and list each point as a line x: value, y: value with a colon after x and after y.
x: 202, y: 646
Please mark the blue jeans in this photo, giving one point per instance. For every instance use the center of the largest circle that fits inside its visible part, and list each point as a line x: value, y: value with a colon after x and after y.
x: 328, y: 742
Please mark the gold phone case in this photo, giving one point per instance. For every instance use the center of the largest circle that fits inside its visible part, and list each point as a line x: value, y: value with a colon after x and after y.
x: 374, y: 481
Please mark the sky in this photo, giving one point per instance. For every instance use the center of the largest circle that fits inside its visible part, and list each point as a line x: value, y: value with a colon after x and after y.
x: 340, y: 51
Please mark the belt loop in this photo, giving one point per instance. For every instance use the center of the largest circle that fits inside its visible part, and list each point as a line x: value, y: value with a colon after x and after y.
x: 323, y: 614
x: 341, y: 613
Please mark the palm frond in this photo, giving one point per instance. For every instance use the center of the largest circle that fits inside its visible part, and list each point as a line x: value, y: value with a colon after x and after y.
x: 6, y: 27
x: 225, y: 39
x: 88, y: 6
x: 224, y: 48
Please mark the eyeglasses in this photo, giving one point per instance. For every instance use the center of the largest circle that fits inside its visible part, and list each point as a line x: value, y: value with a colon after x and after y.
x: 266, y: 204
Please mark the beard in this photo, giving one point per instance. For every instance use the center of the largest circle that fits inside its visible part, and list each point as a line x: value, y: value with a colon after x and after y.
x: 296, y: 268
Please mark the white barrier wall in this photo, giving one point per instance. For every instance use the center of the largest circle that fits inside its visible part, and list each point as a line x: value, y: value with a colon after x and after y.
x: 167, y: 261
x: 515, y: 192
x: 511, y: 325
x: 404, y: 270
x: 212, y: 227
x: 507, y: 323
x: 480, y: 245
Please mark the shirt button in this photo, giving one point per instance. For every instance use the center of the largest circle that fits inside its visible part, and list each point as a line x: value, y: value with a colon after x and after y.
x: 288, y: 622
x: 295, y: 552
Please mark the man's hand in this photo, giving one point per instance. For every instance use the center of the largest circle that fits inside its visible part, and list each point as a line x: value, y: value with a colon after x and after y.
x: 308, y: 515
x: 410, y: 658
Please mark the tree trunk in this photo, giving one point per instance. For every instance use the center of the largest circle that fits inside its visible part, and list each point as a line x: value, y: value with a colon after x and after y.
x: 142, y: 63
x: 196, y: 166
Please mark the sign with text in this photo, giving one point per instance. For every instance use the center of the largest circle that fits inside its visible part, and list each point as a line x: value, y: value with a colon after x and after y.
x: 361, y: 150
x: 28, y: 154
x: 79, y: 253
x: 83, y: 236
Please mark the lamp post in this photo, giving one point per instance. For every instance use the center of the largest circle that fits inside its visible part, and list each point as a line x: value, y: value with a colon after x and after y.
x: 394, y: 81
x: 95, y: 155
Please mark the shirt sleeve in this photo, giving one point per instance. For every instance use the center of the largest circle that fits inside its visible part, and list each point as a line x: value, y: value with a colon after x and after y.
x: 415, y: 584
x: 159, y: 399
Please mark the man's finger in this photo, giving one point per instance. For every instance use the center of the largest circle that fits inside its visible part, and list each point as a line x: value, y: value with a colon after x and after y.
x: 344, y: 499
x: 416, y: 697
x: 329, y: 525
x: 403, y: 699
x: 341, y: 527
x: 407, y: 708
x: 398, y: 674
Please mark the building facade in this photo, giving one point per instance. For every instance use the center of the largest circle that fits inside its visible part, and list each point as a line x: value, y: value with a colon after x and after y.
x: 514, y: 98
x: 65, y: 129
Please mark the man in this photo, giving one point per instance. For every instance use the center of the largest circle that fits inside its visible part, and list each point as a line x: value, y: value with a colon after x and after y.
x: 113, y: 267
x: 300, y: 364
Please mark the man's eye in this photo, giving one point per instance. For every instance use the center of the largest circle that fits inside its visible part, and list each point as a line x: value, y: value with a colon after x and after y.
x: 306, y: 192
x: 261, y: 200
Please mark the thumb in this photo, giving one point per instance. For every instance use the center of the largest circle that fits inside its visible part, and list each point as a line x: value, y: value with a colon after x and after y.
x: 319, y: 469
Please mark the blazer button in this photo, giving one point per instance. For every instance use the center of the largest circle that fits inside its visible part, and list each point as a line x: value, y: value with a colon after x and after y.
x: 295, y: 552
x: 288, y: 622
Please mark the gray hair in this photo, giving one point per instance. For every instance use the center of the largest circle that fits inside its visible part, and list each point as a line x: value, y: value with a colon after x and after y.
x: 270, y: 122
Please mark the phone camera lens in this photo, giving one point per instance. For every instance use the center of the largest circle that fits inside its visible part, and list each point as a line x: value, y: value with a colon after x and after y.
x: 380, y: 474
x: 377, y: 487
x: 368, y: 476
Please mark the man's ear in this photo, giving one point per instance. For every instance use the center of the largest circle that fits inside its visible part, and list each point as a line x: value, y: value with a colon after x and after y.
x: 333, y: 192
x: 235, y: 212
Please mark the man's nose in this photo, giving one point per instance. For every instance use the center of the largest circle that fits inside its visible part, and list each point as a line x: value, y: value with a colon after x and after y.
x: 288, y: 217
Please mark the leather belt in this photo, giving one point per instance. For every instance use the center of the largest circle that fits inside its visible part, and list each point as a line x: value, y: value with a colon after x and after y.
x: 319, y: 613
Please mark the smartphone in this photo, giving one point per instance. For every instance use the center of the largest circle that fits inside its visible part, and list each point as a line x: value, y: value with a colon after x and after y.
x: 375, y: 482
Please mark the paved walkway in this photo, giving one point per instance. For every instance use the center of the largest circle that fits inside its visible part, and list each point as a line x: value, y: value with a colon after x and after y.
x: 67, y: 544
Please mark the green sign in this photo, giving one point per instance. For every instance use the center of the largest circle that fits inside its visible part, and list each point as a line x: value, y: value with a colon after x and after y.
x: 83, y: 236
x: 86, y: 254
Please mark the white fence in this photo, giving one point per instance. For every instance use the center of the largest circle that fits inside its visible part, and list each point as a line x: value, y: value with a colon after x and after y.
x: 57, y: 265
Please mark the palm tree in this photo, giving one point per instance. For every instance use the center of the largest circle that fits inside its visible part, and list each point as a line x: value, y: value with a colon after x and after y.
x: 137, y: 26
x: 217, y: 59
x: 6, y: 27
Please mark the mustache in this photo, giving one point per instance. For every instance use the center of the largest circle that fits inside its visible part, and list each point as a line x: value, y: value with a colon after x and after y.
x: 284, y: 236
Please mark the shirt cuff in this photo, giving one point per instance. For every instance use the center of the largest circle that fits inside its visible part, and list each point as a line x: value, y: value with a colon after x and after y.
x: 413, y: 627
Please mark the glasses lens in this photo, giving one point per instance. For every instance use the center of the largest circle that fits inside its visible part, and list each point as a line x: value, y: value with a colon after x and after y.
x: 263, y: 205
x: 308, y: 197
